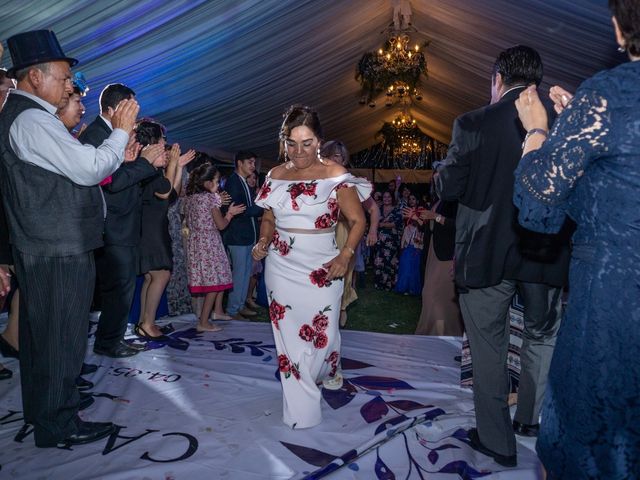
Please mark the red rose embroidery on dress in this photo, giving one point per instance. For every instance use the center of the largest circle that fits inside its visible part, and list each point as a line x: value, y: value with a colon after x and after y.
x: 320, y: 322
x: 323, y: 221
x: 321, y: 340
x: 287, y: 367
x: 276, y: 311
x: 280, y: 246
x: 264, y: 190
x: 333, y: 360
x: 334, y: 210
x: 301, y: 188
x: 319, y: 277
x: 307, y: 333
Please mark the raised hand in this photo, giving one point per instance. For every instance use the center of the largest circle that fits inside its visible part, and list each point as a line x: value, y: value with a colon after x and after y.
x: 174, y: 153
x: 560, y: 98
x: 154, y: 154
x: 531, y: 111
x: 125, y: 115
x: 132, y: 149
x: 186, y: 158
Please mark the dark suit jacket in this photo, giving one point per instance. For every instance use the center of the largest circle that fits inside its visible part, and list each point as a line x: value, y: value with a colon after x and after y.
x: 486, y: 146
x: 443, y: 236
x: 124, y: 194
x: 243, y: 229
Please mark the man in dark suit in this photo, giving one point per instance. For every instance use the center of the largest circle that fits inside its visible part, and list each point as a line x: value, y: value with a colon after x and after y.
x: 241, y: 234
x: 494, y: 258
x: 116, y: 262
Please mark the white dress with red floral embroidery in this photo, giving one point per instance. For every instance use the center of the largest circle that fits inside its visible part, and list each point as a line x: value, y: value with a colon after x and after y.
x: 304, y: 307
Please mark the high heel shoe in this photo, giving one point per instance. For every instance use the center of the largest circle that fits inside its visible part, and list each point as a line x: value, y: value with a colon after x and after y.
x: 142, y: 333
x: 7, y: 349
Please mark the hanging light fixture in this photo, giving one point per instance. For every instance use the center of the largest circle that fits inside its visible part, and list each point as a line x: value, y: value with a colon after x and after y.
x: 395, y: 69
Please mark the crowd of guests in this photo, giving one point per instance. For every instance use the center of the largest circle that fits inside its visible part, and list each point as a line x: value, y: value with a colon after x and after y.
x: 483, y: 237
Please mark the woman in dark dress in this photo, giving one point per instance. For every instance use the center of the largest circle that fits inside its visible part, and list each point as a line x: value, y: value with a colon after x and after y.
x: 155, y: 256
x: 388, y: 246
x: 589, y: 168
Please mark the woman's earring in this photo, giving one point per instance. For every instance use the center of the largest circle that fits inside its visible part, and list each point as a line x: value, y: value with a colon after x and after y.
x: 319, y: 156
x: 622, y: 49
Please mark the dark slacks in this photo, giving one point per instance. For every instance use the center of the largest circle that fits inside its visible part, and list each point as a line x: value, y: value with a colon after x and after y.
x: 485, y: 315
x: 55, y: 296
x: 117, y: 269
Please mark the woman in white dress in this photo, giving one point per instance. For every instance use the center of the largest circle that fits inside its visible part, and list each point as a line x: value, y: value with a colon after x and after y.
x: 304, y: 268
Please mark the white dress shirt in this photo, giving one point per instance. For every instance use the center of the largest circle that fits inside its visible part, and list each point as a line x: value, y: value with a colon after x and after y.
x: 39, y: 137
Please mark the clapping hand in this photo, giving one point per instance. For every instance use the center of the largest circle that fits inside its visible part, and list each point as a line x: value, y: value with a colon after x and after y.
x: 153, y: 154
x: 225, y: 198
x: 132, y: 149
x: 560, y: 98
x: 186, y: 158
x: 174, y: 153
x: 125, y: 115
x: 236, y: 209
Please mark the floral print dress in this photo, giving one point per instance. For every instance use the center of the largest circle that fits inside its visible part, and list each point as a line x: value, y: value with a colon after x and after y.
x: 304, y: 306
x: 387, y: 250
x: 208, y: 267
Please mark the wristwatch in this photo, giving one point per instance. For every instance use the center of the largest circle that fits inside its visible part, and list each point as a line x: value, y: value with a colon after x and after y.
x: 439, y: 218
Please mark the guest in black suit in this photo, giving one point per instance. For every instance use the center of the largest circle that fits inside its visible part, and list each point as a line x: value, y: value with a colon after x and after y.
x: 241, y: 234
x: 494, y: 258
x: 117, y: 261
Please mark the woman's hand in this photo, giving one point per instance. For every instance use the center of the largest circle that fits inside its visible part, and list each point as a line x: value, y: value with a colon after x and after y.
x: 153, y: 154
x: 260, y: 249
x: 560, y: 98
x: 132, y: 150
x: 427, y: 215
x: 5, y: 281
x: 236, y: 209
x: 531, y: 111
x: 186, y: 158
x: 339, y: 265
x: 174, y: 153
x: 372, y: 237
x: 225, y: 198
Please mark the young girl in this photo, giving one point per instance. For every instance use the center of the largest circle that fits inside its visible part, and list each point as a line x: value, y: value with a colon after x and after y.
x: 208, y: 269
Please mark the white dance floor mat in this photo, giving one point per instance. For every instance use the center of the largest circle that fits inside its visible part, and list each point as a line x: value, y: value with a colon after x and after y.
x: 208, y: 406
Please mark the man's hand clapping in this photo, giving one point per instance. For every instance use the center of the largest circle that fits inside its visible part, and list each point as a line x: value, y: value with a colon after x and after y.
x: 154, y: 154
x: 125, y: 115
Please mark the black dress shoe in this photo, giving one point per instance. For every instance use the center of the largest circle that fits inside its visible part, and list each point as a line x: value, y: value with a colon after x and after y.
x: 526, y: 430
x: 504, y: 460
x: 88, y: 369
x: 82, y: 384
x: 5, y: 374
x: 7, y: 350
x: 119, y: 350
x: 86, y: 401
x: 89, y: 432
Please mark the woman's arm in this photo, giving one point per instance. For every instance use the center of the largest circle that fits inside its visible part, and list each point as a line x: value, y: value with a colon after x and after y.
x: 221, y: 221
x: 351, y: 209
x: 374, y: 220
x: 267, y: 227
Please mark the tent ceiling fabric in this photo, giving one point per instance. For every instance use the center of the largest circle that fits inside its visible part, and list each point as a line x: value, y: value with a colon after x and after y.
x: 219, y: 74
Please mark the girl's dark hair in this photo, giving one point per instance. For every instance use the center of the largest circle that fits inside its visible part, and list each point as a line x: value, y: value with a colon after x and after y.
x: 149, y: 132
x: 204, y: 173
x: 332, y: 147
x: 297, y: 116
x: 627, y: 13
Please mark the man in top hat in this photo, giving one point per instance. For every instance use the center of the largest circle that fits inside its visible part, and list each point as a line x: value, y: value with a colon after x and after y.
x: 48, y: 182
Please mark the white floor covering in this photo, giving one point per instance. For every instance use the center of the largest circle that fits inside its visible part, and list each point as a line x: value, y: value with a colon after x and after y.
x: 213, y: 411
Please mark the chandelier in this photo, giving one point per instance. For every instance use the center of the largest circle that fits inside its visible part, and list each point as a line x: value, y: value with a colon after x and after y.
x: 394, y: 69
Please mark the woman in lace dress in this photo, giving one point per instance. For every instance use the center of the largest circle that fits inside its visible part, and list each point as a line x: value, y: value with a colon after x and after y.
x: 589, y: 169
x: 302, y: 200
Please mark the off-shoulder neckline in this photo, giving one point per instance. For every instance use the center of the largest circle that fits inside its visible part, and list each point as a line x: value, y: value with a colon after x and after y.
x: 308, y: 179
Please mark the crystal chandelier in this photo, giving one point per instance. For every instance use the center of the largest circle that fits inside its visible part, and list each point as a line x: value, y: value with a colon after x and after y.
x: 394, y: 69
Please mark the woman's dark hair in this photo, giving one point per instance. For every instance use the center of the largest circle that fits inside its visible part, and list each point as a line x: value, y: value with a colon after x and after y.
x: 201, y: 158
x: 197, y: 178
x: 627, y: 13
x: 149, y: 132
x: 333, y: 147
x: 519, y: 65
x: 297, y: 116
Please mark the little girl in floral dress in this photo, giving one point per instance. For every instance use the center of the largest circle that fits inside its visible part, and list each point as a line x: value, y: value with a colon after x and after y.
x: 208, y: 269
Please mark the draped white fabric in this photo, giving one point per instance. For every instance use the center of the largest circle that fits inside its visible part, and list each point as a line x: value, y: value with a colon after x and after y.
x: 220, y: 73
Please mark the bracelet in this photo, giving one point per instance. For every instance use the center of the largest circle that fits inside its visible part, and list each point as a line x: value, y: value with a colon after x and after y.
x: 533, y: 131
x: 353, y: 252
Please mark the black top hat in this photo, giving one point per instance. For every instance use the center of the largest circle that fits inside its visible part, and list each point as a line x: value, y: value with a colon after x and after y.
x: 31, y: 48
